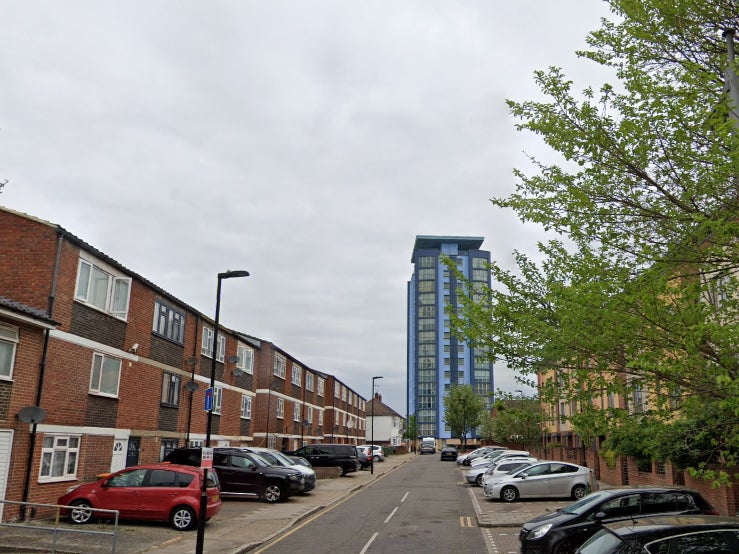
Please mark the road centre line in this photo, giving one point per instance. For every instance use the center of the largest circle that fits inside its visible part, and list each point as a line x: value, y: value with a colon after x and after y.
x: 391, y: 514
x: 405, y: 496
x: 369, y: 542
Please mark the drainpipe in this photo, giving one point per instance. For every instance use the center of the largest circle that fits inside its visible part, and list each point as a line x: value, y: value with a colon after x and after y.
x: 42, y: 371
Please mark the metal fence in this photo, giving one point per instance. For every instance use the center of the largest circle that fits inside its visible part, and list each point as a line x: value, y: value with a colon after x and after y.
x: 42, y: 527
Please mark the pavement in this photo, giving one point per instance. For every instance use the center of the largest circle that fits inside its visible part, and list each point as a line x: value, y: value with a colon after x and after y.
x: 244, y: 526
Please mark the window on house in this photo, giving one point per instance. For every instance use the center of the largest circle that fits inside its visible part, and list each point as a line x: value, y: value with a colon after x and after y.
x: 171, y: 389
x: 245, y: 407
x: 309, y: 381
x: 309, y: 417
x: 8, y: 341
x: 296, y: 412
x: 280, y: 366
x: 206, y: 348
x: 426, y: 274
x: 169, y: 322
x: 105, y: 375
x: 320, y: 387
x: 320, y: 418
x: 59, y: 457
x: 343, y: 394
x: 166, y: 446
x: 337, y: 390
x: 280, y: 408
x: 217, y: 399
x: 103, y: 289
x: 297, y: 373
x: 246, y: 359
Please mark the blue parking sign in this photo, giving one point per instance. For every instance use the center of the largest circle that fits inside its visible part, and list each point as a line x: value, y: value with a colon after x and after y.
x: 208, y: 399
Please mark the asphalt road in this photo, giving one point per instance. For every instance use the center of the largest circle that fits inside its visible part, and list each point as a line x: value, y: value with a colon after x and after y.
x: 416, y: 508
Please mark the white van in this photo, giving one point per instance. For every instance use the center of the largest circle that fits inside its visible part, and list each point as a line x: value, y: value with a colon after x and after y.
x: 428, y: 444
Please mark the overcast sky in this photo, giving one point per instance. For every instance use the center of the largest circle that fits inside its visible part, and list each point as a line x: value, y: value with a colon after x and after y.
x: 307, y: 142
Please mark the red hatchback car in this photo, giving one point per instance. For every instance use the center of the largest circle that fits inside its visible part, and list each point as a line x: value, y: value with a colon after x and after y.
x: 161, y: 492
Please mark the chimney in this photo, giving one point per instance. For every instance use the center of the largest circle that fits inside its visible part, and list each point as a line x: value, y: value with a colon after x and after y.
x: 378, y: 397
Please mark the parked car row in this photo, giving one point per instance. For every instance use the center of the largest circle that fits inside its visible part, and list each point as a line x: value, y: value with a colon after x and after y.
x: 171, y: 491
x: 625, y: 520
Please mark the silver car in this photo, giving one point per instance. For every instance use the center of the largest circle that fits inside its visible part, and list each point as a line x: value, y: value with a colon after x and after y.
x: 277, y: 458
x: 479, y: 474
x: 544, y: 479
x: 378, y: 455
x: 498, y: 455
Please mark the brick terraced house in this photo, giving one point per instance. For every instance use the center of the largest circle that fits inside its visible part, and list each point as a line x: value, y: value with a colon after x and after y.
x: 101, y: 369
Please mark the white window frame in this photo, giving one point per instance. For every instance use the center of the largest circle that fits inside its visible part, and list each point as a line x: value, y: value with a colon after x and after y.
x: 320, y: 387
x: 343, y: 394
x: 114, y: 300
x: 245, y: 406
x: 309, y: 417
x: 54, y: 446
x: 310, y: 381
x: 337, y: 390
x: 8, y: 346
x: 95, y: 380
x: 320, y: 418
x: 217, y: 399
x: 280, y: 365
x: 206, y: 345
x: 280, y: 408
x: 296, y: 412
x: 297, y: 375
x: 246, y: 358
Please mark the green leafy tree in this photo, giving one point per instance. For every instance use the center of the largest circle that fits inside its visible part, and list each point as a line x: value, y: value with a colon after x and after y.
x: 463, y: 411
x: 514, y: 419
x: 411, y: 431
x: 635, y: 295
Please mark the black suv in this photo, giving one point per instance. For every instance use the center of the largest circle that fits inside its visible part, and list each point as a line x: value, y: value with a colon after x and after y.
x: 244, y: 474
x: 569, y: 527
x: 330, y: 455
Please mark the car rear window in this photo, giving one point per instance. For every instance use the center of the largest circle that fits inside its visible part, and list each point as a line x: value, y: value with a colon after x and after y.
x: 162, y: 478
x: 654, y: 503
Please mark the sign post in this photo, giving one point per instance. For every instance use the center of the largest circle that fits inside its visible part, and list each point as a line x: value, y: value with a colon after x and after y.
x: 208, y: 399
x: 206, y: 458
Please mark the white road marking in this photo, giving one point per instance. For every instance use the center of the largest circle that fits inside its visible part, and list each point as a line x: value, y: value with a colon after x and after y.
x: 391, y: 514
x: 404, y: 497
x: 369, y: 542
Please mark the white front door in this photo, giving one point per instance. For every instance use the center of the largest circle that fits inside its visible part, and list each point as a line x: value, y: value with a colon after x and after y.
x: 6, y: 442
x: 118, y: 459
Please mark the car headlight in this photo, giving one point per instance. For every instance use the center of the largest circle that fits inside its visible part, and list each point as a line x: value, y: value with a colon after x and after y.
x: 70, y: 489
x: 539, y: 532
x: 296, y: 476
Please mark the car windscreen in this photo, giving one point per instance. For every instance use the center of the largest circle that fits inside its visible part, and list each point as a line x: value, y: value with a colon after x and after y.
x: 602, y: 541
x: 271, y: 458
x: 586, y: 503
x: 259, y: 460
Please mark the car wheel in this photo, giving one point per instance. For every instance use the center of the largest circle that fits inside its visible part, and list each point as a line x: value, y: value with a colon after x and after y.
x: 479, y: 480
x: 375, y: 458
x: 578, y: 491
x: 509, y: 494
x: 81, y: 512
x: 182, y: 518
x: 342, y: 471
x: 274, y: 492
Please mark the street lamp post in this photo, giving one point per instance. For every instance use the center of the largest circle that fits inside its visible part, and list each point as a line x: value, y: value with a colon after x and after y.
x: 204, y: 489
x: 372, y: 428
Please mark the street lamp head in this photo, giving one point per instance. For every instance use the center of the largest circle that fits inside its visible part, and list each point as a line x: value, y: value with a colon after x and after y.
x: 230, y: 274
x: 378, y: 377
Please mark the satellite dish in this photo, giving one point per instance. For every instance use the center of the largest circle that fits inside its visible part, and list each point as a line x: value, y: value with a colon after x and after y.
x: 32, y: 414
x: 191, y: 386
